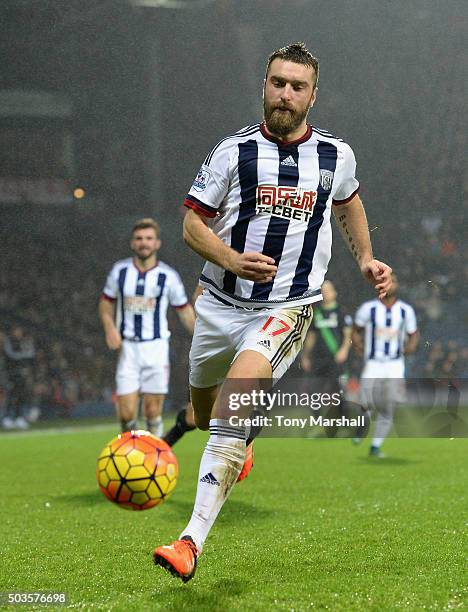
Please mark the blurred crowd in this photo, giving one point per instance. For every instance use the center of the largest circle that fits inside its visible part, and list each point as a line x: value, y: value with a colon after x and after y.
x: 48, y: 302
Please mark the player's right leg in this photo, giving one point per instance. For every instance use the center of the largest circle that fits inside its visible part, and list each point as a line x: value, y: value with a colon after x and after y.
x: 127, y: 378
x: 127, y: 410
x: 210, y: 357
x: 220, y: 466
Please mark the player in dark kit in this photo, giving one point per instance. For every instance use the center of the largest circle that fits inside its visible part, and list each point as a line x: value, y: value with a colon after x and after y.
x: 327, y: 346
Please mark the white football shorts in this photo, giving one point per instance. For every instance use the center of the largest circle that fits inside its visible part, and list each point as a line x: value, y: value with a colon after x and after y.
x: 383, y: 384
x: 222, y: 332
x: 143, y: 367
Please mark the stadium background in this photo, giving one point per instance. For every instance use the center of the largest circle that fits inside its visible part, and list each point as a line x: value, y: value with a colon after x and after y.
x: 123, y: 102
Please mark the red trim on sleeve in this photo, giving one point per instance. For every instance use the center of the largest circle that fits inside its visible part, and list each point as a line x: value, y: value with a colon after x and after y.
x: 412, y: 333
x: 346, y: 200
x: 107, y: 297
x: 183, y: 306
x: 200, y: 207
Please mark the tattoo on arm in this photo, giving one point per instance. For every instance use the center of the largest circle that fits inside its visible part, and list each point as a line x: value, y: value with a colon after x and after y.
x: 341, y: 218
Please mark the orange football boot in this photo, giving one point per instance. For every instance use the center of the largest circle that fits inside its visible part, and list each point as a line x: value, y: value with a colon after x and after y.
x: 179, y: 558
x: 248, y: 463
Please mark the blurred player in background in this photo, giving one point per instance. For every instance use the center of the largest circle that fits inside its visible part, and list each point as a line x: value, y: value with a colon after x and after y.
x: 184, y: 420
x: 385, y: 331
x: 326, y: 347
x: 133, y: 310
x: 269, y: 189
x: 20, y: 353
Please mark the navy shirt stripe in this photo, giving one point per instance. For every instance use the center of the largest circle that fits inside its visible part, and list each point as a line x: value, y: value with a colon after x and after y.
x: 122, y: 275
x: 372, y: 316
x: 138, y: 318
x: 161, y: 282
x: 388, y: 323
x: 327, y: 155
x: 288, y: 175
x: 248, y: 180
x: 403, y: 317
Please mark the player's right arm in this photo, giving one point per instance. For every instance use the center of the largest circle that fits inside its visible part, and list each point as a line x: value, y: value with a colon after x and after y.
x: 250, y: 266
x: 205, y: 198
x: 357, y: 339
x: 107, y: 316
x: 361, y: 318
x: 107, y: 311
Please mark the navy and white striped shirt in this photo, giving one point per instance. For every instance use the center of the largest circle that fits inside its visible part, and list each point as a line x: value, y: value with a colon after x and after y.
x: 385, y: 329
x: 274, y: 198
x: 143, y: 298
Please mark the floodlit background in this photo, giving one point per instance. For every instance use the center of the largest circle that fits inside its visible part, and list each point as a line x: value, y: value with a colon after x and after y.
x: 107, y: 110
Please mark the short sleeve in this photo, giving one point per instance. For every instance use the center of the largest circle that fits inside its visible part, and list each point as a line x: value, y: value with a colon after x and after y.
x: 212, y: 182
x: 111, y: 288
x: 177, y: 296
x: 347, y: 320
x: 361, y: 316
x: 349, y: 185
x: 410, y: 321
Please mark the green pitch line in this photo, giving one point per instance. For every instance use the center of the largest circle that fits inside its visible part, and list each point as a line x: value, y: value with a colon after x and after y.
x: 317, y: 525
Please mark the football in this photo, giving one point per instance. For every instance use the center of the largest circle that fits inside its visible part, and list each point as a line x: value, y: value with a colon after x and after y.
x: 136, y: 470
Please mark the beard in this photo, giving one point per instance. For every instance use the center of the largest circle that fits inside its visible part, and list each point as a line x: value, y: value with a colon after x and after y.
x: 283, y: 122
x: 144, y: 254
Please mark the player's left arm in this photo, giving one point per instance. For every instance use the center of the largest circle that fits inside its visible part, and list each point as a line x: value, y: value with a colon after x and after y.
x: 352, y: 223
x: 187, y: 317
x: 411, y: 344
x: 412, y: 332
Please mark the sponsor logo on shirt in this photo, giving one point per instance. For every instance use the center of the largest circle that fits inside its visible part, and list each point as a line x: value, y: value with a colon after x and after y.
x: 139, y: 304
x: 286, y: 202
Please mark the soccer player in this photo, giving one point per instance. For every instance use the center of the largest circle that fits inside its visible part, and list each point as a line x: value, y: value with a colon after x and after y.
x: 184, y: 419
x: 384, y: 332
x: 269, y: 190
x: 327, y: 345
x: 133, y: 310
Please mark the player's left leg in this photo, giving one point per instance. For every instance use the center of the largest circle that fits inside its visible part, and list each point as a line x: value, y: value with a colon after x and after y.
x: 391, y: 395
x: 152, y: 408
x: 383, y: 425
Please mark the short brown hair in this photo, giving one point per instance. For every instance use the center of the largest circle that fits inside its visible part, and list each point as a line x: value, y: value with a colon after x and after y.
x: 297, y: 53
x: 146, y: 223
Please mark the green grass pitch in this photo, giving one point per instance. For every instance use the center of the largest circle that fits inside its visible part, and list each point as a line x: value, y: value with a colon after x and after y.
x: 316, y: 526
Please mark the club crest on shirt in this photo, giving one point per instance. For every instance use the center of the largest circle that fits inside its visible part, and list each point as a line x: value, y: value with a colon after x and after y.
x: 326, y: 179
x: 201, y: 180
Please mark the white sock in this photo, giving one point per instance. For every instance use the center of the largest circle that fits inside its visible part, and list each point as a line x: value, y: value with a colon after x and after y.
x: 220, y: 465
x: 383, y: 425
x: 155, y: 426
